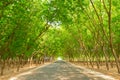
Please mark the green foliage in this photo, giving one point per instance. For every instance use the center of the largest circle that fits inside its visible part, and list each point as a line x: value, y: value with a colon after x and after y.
x: 72, y: 28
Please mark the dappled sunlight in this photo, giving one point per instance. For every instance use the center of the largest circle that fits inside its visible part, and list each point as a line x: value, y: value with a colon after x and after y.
x: 35, y: 32
x: 95, y: 74
x: 61, y: 70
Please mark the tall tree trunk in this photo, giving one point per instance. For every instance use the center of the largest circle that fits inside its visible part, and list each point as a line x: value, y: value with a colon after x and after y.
x: 111, y: 39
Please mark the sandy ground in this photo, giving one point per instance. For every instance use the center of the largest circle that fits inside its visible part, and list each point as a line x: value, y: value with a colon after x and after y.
x: 112, y: 72
x: 12, y: 72
x: 60, y: 70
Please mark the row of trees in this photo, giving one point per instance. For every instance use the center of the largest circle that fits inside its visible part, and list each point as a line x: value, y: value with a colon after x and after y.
x: 22, y: 26
x: 82, y: 30
x: 93, y: 27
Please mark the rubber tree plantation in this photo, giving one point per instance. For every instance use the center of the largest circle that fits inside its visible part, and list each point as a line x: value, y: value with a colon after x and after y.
x: 37, y: 31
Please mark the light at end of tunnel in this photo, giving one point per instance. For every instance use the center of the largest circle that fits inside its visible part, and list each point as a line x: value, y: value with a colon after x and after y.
x: 13, y: 78
x: 59, y: 58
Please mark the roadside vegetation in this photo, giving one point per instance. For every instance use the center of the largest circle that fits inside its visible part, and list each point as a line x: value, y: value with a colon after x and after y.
x: 82, y: 31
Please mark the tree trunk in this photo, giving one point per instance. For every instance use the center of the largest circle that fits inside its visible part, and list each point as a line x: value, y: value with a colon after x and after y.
x: 110, y: 40
x: 106, y: 58
x: 2, y: 67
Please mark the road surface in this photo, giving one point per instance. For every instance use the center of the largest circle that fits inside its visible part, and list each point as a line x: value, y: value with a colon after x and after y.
x: 61, y: 70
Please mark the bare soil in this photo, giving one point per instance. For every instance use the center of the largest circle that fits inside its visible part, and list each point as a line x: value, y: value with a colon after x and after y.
x: 13, y: 72
x: 112, y: 72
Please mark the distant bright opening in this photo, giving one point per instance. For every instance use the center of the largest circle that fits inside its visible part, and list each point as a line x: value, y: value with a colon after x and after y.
x: 59, y: 58
x: 14, y: 78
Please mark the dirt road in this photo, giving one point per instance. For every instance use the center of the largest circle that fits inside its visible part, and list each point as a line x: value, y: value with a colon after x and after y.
x: 61, y: 70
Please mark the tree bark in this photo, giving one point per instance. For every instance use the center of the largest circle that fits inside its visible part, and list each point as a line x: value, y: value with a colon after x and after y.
x: 111, y: 39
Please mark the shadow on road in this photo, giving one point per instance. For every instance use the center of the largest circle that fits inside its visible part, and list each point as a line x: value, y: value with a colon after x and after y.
x: 58, y: 70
